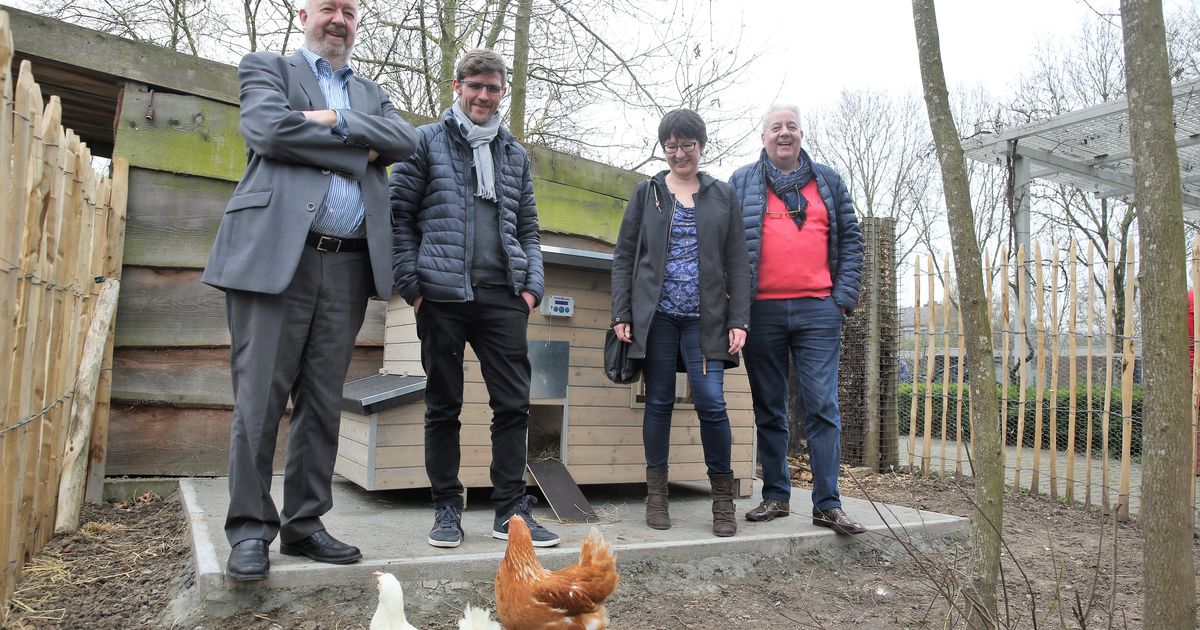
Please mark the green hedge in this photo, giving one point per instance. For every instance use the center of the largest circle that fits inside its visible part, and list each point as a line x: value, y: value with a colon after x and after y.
x: 904, y: 407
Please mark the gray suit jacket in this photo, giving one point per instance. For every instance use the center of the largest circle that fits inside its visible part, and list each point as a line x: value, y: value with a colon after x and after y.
x: 290, y: 162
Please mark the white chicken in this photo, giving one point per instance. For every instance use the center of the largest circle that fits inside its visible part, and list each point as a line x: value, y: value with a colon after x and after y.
x: 389, y: 615
x: 477, y: 619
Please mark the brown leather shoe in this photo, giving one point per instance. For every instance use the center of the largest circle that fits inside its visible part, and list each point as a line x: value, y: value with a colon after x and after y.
x: 836, y: 519
x: 769, y: 510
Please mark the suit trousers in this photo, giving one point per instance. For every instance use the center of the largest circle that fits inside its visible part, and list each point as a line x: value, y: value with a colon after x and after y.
x: 296, y: 343
x: 496, y: 325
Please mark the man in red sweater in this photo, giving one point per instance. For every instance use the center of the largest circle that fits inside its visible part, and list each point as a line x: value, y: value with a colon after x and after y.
x: 806, y: 255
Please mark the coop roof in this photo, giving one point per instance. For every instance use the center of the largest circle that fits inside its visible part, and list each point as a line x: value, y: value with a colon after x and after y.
x: 1090, y: 150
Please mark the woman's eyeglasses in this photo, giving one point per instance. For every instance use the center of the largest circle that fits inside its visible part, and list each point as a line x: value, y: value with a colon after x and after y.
x: 687, y: 147
x: 492, y: 88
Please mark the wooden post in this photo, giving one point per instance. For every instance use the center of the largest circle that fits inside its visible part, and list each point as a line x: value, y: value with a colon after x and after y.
x: 1005, y: 334
x: 872, y: 385
x: 114, y: 248
x: 946, y: 299
x: 1091, y: 408
x: 1038, y: 295
x: 912, y: 414
x: 1073, y: 375
x: 61, y: 234
x: 70, y: 490
x: 26, y: 160
x: 1022, y: 365
x: 926, y: 454
x: 11, y: 227
x: 11, y: 223
x: 1052, y: 447
x: 42, y: 249
x: 77, y: 252
x: 1127, y: 366
x: 1110, y: 315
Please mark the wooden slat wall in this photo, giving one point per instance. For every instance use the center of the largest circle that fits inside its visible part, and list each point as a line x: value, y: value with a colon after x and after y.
x: 172, y: 393
x: 171, y: 358
x: 604, y: 438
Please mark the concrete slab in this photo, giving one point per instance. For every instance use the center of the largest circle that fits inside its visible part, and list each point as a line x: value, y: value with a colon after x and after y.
x: 390, y: 527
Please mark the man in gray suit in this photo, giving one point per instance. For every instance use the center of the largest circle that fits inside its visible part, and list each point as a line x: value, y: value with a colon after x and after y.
x: 305, y: 241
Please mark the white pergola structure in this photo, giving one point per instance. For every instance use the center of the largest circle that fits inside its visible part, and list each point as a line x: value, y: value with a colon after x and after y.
x: 1089, y: 149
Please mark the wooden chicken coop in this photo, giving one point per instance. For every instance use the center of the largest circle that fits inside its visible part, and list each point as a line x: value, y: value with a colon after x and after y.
x: 577, y: 416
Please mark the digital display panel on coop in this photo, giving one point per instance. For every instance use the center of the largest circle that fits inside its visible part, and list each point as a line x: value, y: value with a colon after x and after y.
x: 558, y: 306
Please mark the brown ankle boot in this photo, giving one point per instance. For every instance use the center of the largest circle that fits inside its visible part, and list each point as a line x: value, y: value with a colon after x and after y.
x: 657, y: 516
x: 724, y: 518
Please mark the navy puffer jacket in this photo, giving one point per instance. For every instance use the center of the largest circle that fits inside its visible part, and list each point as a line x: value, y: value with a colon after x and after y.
x: 433, y: 214
x: 845, y: 236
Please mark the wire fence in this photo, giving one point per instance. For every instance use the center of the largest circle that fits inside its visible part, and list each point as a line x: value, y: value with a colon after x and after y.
x: 61, y: 226
x: 1068, y: 371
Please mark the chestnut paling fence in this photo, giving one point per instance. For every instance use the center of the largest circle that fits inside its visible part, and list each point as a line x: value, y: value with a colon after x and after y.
x: 1068, y: 378
x: 61, y: 229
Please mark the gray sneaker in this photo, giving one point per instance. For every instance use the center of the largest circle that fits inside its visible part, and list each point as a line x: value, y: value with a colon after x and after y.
x: 447, y: 527
x: 541, y: 536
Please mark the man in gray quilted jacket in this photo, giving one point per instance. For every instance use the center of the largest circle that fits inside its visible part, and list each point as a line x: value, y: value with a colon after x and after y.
x: 467, y: 257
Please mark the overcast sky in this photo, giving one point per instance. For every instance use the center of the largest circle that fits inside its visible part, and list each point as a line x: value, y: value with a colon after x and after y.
x: 829, y: 46
x: 817, y: 49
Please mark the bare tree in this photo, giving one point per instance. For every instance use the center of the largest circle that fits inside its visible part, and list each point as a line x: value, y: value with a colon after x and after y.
x: 989, y: 466
x: 585, y: 83
x: 594, y: 75
x: 1166, y: 472
x: 882, y: 148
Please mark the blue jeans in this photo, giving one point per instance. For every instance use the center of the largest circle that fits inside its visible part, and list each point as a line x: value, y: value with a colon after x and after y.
x: 809, y: 332
x: 671, y: 337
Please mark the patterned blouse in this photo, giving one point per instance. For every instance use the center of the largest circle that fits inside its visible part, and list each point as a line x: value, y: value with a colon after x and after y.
x: 681, y: 278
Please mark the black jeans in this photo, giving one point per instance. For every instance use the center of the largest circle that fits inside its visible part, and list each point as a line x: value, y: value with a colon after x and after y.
x: 495, y: 325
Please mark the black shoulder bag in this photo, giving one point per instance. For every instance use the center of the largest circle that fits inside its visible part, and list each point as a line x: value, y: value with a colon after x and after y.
x: 618, y: 367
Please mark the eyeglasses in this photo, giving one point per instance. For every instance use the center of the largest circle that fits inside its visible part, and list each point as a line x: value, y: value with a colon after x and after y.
x: 492, y: 88
x: 687, y: 147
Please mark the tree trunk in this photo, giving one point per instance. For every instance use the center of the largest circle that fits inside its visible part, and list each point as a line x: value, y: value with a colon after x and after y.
x: 989, y: 467
x: 1166, y: 431
x: 520, y: 70
x: 448, y: 43
x: 871, y: 390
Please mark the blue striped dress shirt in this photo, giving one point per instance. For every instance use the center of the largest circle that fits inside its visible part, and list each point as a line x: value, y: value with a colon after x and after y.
x: 341, y: 213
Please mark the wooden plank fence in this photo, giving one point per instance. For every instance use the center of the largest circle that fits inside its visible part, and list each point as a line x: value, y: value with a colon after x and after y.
x: 1046, y: 311
x: 61, y: 227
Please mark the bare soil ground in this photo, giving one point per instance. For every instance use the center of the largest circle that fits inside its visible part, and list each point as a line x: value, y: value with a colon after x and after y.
x: 1061, y: 566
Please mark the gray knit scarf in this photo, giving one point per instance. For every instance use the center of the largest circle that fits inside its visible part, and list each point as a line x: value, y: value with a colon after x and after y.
x: 480, y: 138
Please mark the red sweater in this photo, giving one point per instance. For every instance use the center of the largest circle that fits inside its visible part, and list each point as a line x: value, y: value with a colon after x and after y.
x: 795, y: 263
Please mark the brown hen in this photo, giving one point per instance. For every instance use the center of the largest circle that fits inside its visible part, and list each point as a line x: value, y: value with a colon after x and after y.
x: 528, y: 597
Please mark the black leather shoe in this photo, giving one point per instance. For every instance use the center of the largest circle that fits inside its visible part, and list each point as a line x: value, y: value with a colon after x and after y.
x: 322, y: 547
x: 769, y: 510
x: 248, y: 561
x: 836, y: 519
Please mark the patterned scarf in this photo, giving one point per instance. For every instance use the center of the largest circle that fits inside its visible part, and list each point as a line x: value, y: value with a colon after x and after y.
x: 480, y: 138
x: 787, y: 187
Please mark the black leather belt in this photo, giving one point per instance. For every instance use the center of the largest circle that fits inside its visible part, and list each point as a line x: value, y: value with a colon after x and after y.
x: 334, y: 244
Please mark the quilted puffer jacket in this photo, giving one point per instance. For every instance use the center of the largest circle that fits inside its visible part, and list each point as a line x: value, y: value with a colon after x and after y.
x: 433, y: 216
x: 845, y: 235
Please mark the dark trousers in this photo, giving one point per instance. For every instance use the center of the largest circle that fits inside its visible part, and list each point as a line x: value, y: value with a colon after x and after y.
x: 672, y: 337
x: 296, y: 343
x: 495, y: 324
x: 807, y: 331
